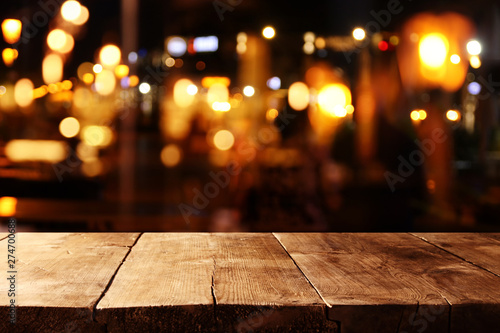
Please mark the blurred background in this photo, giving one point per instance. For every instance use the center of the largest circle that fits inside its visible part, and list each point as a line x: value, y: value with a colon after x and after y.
x: 240, y: 115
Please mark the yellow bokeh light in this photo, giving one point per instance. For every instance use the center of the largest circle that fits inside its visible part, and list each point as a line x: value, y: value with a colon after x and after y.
x: 11, y: 29
x: 349, y: 109
x: 71, y: 10
x: 208, y: 81
x: 298, y: 96
x: 88, y: 78
x: 223, y: 140
x: 133, y: 80
x: 23, y: 92
x: 217, y: 93
x: 92, y: 168
x: 86, y: 153
x: 40, y: 92
x: 105, y: 82
x: 358, y: 34
x: 83, y: 17
x: 271, y: 114
x: 422, y: 114
x: 433, y: 50
x: 268, y: 32
x: 171, y: 155
x: 182, y: 97
x: 308, y: 48
x: 414, y: 115
x: 221, y: 106
x: 475, y: 62
x: 394, y: 40
x: 52, y: 68
x: 60, y: 41
x: 8, y: 206
x: 320, y: 43
x: 333, y: 98
x: 9, y: 56
x: 110, y: 55
x: 97, y: 136
x: 121, y: 71
x: 241, y: 48
x: 69, y: 127
x: 455, y: 59
x: 66, y: 85
x: 452, y: 115
x: 36, y: 150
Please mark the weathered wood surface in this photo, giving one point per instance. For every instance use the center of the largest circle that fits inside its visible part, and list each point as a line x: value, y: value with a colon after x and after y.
x: 244, y: 282
x: 60, y: 277
x: 480, y: 249
x: 258, y: 287
x: 396, y: 283
x: 211, y: 282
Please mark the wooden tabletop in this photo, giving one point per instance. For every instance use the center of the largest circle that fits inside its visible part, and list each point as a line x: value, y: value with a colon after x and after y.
x: 251, y: 282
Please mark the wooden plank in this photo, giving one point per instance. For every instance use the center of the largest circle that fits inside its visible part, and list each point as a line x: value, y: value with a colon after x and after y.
x: 478, y: 248
x: 164, y: 285
x: 210, y: 282
x: 59, y: 279
x: 395, y: 282
x: 259, y: 288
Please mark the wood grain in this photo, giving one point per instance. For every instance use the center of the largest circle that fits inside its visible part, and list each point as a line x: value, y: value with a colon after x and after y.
x: 60, y: 277
x: 480, y: 249
x: 164, y: 285
x: 395, y: 282
x: 259, y: 288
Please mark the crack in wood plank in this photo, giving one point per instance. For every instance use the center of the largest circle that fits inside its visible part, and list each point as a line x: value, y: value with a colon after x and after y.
x: 302, y: 272
x: 453, y: 254
x: 214, y: 297
x: 110, y: 282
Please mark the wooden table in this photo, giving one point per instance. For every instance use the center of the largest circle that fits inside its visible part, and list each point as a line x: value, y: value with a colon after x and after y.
x: 244, y: 282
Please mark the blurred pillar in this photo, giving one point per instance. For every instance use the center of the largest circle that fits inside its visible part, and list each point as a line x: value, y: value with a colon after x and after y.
x: 129, y: 29
x: 254, y: 70
x: 365, y: 112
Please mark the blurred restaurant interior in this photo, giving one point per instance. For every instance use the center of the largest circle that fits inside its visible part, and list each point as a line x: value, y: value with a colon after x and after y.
x: 250, y: 115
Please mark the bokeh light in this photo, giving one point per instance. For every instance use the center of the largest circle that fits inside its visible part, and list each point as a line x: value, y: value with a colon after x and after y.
x: 475, y: 62
x: 110, y: 55
x: 71, y: 10
x: 97, y: 136
x: 223, y: 140
x: 69, y: 127
x: 105, y: 82
x: 23, y: 92
x: 9, y: 56
x: 183, y: 92
x: 144, y: 88
x: 455, y: 59
x: 248, y: 91
x: 8, y: 206
x: 474, y: 47
x: 11, y: 29
x: 52, y: 68
x: 298, y: 96
x: 452, y: 115
x: 121, y: 71
x: 268, y: 32
x: 433, y: 49
x: 333, y: 98
x: 474, y: 88
x: 358, y: 34
x: 171, y: 155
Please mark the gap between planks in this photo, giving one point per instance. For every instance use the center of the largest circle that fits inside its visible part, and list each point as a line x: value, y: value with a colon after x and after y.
x: 110, y: 282
x: 453, y: 254
x: 302, y: 272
